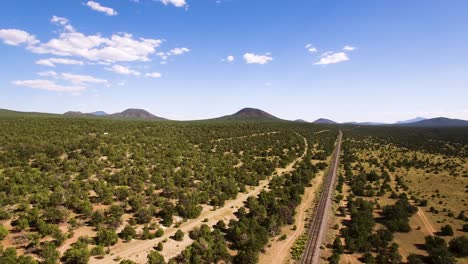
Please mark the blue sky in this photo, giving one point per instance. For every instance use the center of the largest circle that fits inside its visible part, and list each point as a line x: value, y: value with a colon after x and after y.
x: 192, y: 59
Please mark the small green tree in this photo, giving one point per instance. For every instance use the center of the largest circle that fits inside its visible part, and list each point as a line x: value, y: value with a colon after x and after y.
x: 155, y: 258
x: 128, y: 233
x: 49, y: 253
x: 446, y: 230
x: 77, y: 254
x: 179, y: 235
x: 3, y: 232
x: 338, y: 246
x: 160, y: 246
x: 459, y: 246
x: 106, y: 237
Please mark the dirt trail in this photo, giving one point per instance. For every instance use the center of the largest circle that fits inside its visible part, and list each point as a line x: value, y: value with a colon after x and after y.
x: 137, y: 250
x: 279, y: 251
x: 426, y: 222
x: 322, y: 131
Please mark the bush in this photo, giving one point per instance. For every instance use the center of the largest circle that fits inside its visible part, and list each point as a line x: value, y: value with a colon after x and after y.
x: 3, y: 232
x: 49, y: 253
x: 179, y: 235
x: 159, y: 232
x: 465, y: 228
x: 414, y: 259
x: 98, y: 251
x: 446, y: 230
x: 77, y: 254
x: 155, y: 258
x: 106, y: 237
x: 459, y: 246
x: 128, y: 233
x: 160, y: 246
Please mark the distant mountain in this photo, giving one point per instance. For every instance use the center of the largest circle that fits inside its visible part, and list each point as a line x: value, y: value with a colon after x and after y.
x: 324, y: 121
x: 99, y: 113
x: 414, y: 120
x: 133, y: 113
x: 371, y: 123
x: 300, y: 121
x: 250, y: 114
x: 439, y: 122
x: 75, y: 113
x: 127, y: 114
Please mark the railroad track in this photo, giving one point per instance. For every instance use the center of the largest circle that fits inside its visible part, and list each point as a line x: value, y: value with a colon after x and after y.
x: 319, y: 221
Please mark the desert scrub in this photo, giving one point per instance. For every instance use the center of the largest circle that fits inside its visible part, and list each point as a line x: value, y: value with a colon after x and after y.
x: 298, y: 247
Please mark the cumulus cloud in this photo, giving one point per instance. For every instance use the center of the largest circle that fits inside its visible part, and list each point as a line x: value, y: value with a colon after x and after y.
x: 98, y: 7
x: 51, y: 62
x: 309, y: 47
x: 49, y: 86
x: 15, y: 37
x: 117, y: 48
x: 177, y: 3
x: 179, y: 51
x: 251, y: 58
x: 349, y: 48
x: 123, y: 70
x: 154, y: 75
x: 331, y: 58
x: 230, y: 58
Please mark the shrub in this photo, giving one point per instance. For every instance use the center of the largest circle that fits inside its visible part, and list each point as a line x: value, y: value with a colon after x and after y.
x: 459, y: 246
x: 446, y: 230
x: 179, y: 235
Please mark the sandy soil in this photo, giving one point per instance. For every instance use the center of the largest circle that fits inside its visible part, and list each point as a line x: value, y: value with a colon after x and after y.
x: 137, y: 250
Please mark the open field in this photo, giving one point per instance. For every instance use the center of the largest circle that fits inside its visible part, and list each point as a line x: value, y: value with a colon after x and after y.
x: 434, y: 180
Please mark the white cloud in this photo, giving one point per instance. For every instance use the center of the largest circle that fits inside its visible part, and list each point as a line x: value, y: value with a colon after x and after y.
x: 154, y: 75
x: 230, y: 58
x: 119, y: 47
x: 349, y: 48
x: 309, y: 47
x: 177, y: 3
x: 52, y: 61
x: 331, y: 58
x: 251, y: 58
x: 47, y: 74
x: 73, y: 78
x: 61, y: 21
x: 81, y: 79
x: 49, y: 86
x: 123, y: 70
x: 15, y: 37
x: 179, y: 51
x: 98, y: 7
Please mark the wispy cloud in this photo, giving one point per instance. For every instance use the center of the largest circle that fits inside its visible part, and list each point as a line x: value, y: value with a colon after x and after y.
x: 98, y: 7
x: 49, y: 86
x: 123, y: 70
x: 310, y: 48
x: 153, y: 75
x: 51, y: 62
